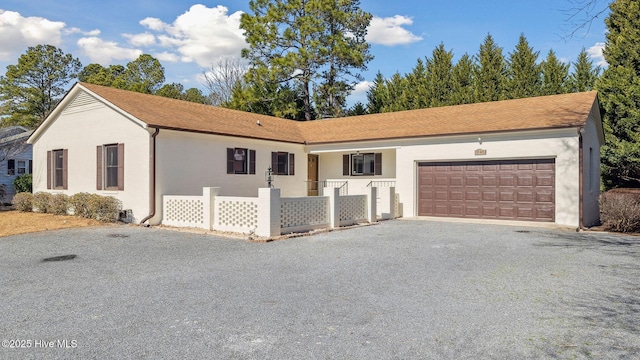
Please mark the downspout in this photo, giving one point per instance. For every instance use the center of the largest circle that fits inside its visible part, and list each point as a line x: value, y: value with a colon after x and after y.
x: 152, y: 191
x: 580, y: 177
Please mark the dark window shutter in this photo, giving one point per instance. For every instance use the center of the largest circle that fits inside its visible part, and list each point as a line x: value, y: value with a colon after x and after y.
x: 377, y: 164
x: 30, y: 167
x: 48, y: 169
x: 252, y: 161
x: 345, y: 165
x: 120, y: 166
x: 292, y: 164
x: 11, y: 167
x: 99, y: 167
x: 274, y: 162
x: 65, y: 163
x: 230, y: 161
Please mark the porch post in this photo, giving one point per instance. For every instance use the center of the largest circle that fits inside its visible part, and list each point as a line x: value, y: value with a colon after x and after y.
x: 268, y: 212
x: 334, y: 206
x: 373, y: 204
x: 209, y: 199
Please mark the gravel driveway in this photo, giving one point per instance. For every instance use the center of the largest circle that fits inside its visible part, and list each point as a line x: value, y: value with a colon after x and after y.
x: 398, y: 290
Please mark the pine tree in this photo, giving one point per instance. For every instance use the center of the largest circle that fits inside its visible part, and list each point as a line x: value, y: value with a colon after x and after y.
x: 300, y: 43
x: 463, y: 82
x: 554, y: 74
x: 619, y: 89
x: 584, y: 75
x: 490, y: 73
x: 417, y: 92
x: 440, y: 77
x: 524, y: 74
x: 377, y: 95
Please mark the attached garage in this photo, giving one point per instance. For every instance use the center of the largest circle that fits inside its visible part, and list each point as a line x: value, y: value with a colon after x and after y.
x: 521, y: 189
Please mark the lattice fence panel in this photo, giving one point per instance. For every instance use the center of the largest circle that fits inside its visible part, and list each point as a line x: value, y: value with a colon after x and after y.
x: 304, y: 212
x: 183, y: 211
x: 236, y: 214
x: 353, y: 208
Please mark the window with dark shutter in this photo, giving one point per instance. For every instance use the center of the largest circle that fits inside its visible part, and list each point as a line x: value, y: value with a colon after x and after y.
x: 292, y: 164
x: 345, y: 165
x: 377, y: 164
x: 241, y: 161
x: 110, y: 167
x: 99, y: 167
x: 252, y: 162
x: 11, y: 167
x: 363, y: 164
x: 282, y: 163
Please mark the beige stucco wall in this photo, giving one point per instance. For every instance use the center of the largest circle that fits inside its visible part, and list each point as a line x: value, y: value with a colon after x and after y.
x: 187, y: 162
x: 80, y: 129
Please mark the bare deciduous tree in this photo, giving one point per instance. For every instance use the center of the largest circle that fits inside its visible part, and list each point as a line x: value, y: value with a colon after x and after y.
x: 222, y: 78
x: 580, y: 15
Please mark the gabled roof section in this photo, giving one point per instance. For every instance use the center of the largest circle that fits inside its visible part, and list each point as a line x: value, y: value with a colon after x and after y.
x: 545, y: 112
x: 166, y: 113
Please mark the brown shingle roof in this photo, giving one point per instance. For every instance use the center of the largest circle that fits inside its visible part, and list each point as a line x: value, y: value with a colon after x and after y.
x: 544, y: 112
x: 556, y: 111
x: 158, y: 111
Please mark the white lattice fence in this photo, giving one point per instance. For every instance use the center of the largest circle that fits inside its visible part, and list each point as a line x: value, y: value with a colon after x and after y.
x: 236, y: 214
x: 353, y: 209
x: 304, y: 213
x: 183, y: 211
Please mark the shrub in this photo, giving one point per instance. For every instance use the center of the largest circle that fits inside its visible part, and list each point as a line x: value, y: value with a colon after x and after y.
x: 620, y: 211
x: 79, y: 203
x: 23, y: 201
x: 59, y: 204
x: 23, y: 183
x: 104, y: 208
x: 42, y: 202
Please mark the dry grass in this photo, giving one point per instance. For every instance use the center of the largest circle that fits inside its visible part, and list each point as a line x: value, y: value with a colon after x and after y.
x: 15, y: 222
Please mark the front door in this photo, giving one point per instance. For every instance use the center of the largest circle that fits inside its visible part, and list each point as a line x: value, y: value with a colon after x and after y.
x: 312, y: 184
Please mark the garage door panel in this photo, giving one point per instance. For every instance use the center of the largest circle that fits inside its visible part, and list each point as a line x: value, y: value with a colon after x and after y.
x: 499, y: 189
x: 545, y: 180
x: 507, y: 196
x: 525, y: 180
x: 507, y: 212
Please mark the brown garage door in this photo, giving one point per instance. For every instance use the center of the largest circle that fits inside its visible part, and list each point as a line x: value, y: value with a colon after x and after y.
x: 501, y: 189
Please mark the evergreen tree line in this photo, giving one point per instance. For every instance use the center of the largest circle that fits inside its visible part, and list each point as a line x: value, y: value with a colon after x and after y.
x: 486, y: 76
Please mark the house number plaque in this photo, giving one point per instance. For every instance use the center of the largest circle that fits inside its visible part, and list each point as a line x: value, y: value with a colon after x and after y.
x: 481, y: 152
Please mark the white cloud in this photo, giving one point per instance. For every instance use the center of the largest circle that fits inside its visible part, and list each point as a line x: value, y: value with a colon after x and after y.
x: 104, y: 52
x: 144, y: 39
x: 595, y: 54
x: 362, y: 87
x: 201, y: 34
x: 390, y: 31
x: 18, y: 32
x: 166, y: 56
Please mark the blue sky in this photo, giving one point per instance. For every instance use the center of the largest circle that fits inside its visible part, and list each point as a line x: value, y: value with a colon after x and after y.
x: 189, y: 37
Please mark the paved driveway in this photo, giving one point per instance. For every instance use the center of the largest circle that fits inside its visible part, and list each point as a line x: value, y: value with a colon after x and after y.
x: 398, y: 290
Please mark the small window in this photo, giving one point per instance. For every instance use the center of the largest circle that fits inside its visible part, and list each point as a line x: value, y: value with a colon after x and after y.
x: 283, y: 163
x: 110, y: 167
x: 362, y: 164
x: 21, y: 167
x: 241, y: 161
x: 58, y: 169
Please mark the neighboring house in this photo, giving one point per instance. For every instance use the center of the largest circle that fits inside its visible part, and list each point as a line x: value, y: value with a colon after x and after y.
x: 534, y: 159
x: 15, y: 157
